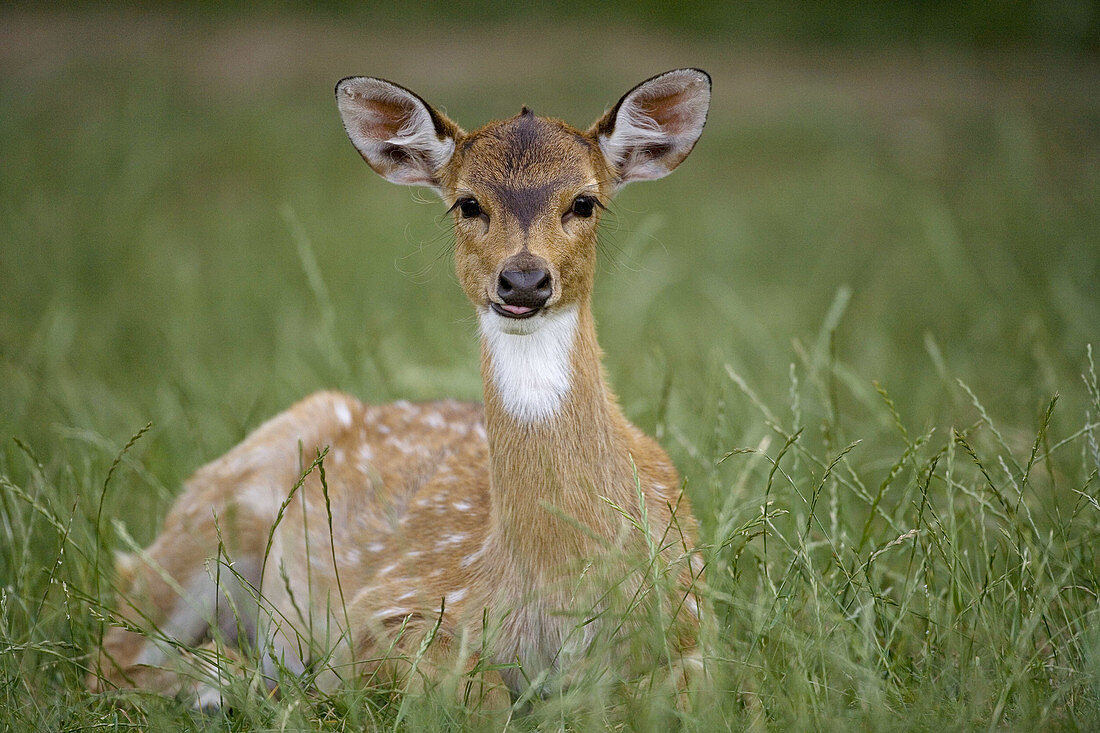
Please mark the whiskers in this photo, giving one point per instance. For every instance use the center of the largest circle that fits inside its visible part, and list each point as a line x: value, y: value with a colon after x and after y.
x: 420, y: 262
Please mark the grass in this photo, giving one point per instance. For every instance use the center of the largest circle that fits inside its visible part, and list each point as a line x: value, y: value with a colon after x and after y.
x: 858, y: 318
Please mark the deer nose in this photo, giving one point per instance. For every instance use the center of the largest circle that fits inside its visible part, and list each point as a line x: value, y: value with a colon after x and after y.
x: 525, y: 288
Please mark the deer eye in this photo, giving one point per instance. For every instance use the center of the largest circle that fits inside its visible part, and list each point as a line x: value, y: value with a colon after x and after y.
x: 583, y: 206
x: 470, y: 208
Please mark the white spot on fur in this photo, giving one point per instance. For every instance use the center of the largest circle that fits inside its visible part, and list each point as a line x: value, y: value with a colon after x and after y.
x: 395, y: 611
x: 388, y: 569
x: 692, y: 606
x: 375, y: 547
x: 434, y: 420
x: 462, y: 506
x: 531, y: 361
x: 451, y: 539
x: 457, y: 595
x: 343, y: 414
x: 401, y: 444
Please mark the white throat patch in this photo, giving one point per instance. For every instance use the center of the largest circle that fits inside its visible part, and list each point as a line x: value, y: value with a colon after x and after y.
x: 530, y: 361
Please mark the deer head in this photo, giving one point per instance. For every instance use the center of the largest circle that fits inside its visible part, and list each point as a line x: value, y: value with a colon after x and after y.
x: 526, y: 193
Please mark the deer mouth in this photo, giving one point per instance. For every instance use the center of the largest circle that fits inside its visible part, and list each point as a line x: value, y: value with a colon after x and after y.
x: 513, y: 311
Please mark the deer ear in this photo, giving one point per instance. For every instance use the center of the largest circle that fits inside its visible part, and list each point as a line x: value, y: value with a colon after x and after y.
x: 655, y: 125
x: 399, y: 134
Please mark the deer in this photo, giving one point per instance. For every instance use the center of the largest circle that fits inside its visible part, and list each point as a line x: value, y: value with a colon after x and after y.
x: 423, y: 545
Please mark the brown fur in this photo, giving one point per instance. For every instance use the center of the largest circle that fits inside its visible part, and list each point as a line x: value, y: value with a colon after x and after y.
x: 443, y: 513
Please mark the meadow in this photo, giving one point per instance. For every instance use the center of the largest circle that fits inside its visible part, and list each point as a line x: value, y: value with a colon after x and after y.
x: 863, y: 318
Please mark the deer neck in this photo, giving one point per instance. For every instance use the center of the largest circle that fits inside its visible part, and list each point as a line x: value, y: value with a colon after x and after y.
x: 558, y: 443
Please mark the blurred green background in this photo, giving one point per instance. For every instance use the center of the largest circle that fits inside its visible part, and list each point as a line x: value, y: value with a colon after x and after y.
x: 899, y: 196
x: 187, y: 238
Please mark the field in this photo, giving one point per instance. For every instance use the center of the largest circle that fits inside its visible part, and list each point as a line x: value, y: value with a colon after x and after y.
x: 863, y: 318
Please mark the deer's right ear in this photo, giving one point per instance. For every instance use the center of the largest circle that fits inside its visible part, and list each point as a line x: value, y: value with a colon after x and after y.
x: 399, y: 134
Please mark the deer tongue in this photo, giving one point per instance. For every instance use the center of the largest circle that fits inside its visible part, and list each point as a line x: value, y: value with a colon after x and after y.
x: 516, y: 310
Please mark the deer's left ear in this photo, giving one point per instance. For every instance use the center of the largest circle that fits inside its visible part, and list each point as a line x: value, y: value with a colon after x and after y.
x: 402, y: 137
x: 655, y: 125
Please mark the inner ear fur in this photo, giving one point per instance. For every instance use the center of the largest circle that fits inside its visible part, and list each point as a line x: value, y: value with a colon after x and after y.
x: 402, y: 137
x: 655, y: 125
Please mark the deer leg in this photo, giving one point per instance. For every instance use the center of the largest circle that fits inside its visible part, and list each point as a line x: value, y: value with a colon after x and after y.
x: 159, y: 611
x: 170, y: 599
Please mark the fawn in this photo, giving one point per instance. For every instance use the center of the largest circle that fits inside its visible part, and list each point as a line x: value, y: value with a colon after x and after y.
x: 338, y: 538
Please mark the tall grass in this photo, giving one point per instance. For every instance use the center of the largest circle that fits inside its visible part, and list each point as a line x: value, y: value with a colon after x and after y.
x: 950, y: 581
x: 858, y: 318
